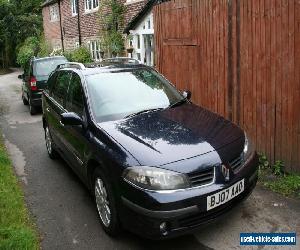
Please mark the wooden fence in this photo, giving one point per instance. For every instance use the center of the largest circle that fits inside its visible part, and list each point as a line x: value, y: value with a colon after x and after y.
x: 240, y: 58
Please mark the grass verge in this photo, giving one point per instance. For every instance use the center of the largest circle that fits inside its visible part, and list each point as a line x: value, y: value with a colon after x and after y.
x: 274, y: 178
x: 16, y: 229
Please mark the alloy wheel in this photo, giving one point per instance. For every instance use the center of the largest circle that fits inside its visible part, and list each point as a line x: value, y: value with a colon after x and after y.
x: 102, y: 202
x: 48, y: 140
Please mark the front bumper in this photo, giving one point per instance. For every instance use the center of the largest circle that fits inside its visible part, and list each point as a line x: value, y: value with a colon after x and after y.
x: 183, y: 211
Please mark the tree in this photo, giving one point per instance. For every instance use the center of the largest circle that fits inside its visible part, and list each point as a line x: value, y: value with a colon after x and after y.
x: 111, y: 15
x: 18, y: 21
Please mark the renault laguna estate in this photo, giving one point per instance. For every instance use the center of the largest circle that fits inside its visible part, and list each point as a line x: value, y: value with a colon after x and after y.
x: 157, y: 164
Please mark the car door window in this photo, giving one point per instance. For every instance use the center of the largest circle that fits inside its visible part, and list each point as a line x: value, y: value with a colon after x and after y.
x: 59, y: 90
x: 51, y: 81
x: 74, y: 102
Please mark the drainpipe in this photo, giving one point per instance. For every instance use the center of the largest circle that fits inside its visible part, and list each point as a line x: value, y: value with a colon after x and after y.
x: 78, y: 23
x: 61, y: 28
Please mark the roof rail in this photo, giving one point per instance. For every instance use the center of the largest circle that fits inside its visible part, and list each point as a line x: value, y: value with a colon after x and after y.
x: 70, y: 65
x: 126, y: 60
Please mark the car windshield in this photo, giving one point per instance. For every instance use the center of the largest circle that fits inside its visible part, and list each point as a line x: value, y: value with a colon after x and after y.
x: 116, y: 95
x: 45, y: 67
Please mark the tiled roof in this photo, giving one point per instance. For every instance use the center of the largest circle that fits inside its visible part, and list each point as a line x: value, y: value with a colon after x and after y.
x: 48, y: 2
x: 135, y: 20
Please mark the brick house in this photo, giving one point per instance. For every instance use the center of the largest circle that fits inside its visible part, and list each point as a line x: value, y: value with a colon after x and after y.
x: 65, y: 29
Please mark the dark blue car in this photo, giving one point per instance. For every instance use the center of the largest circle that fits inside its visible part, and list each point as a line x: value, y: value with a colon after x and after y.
x: 157, y: 164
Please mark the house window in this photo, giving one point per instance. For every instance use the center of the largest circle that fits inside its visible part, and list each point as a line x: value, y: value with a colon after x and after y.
x: 54, y: 13
x: 133, y: 1
x: 138, y: 41
x: 91, y: 5
x: 95, y: 50
x: 74, y: 6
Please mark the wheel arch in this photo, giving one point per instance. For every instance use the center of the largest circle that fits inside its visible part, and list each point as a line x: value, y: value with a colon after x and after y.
x: 92, y: 164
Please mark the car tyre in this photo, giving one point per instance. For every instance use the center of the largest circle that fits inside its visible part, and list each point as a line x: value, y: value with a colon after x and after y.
x: 49, y: 144
x: 106, y: 203
x: 32, y: 108
x: 25, y: 102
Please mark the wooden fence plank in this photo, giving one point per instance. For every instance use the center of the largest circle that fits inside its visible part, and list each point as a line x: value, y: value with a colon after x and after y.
x: 240, y: 59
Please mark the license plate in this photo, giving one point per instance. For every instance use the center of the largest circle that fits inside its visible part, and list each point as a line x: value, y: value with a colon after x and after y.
x: 225, y: 195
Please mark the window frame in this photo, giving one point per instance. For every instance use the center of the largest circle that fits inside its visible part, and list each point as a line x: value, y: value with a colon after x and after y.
x: 63, y: 98
x: 74, y: 7
x: 94, y: 48
x: 51, y: 82
x: 53, y: 13
x: 89, y: 5
x: 132, y: 1
x: 73, y: 73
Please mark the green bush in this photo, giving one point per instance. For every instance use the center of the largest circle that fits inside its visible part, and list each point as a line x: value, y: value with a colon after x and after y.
x: 275, y: 178
x: 278, y: 167
x: 32, y: 46
x: 68, y: 55
x: 29, y: 49
x: 44, y: 47
x: 81, y: 54
x: 111, y: 13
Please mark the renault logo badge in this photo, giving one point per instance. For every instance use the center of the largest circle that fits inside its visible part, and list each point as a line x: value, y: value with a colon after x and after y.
x: 225, y: 172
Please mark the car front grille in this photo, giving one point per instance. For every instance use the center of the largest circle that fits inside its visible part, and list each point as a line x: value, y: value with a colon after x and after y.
x: 202, y: 177
x: 237, y: 163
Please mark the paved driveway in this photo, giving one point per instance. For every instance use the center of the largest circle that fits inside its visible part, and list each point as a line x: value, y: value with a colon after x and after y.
x: 64, y: 211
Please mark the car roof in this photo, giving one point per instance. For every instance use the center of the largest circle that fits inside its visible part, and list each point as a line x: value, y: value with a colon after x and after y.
x: 113, y: 68
x: 92, y: 69
x: 36, y: 59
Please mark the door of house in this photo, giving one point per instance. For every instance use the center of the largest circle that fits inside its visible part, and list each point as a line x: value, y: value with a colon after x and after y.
x: 148, y: 58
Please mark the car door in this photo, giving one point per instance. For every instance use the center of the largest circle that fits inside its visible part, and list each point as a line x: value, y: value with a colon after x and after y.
x: 75, y: 135
x: 48, y: 102
x: 55, y: 107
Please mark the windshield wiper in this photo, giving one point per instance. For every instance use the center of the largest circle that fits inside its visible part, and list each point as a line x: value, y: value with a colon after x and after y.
x: 143, y: 111
x: 181, y: 101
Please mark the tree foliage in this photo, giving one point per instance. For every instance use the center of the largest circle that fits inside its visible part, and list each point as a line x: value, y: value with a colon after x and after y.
x: 29, y: 49
x: 19, y: 19
x: 111, y: 15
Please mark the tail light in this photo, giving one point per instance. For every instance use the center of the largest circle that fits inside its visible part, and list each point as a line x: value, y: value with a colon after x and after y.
x: 33, y: 83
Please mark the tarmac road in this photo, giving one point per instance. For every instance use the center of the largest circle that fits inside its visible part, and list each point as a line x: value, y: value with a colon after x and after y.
x: 66, y: 216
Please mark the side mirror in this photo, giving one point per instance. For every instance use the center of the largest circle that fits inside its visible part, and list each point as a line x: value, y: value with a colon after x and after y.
x: 187, y: 94
x: 70, y: 118
x: 21, y: 76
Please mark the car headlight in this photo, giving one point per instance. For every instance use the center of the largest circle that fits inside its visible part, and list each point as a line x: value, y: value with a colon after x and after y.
x: 155, y: 178
x: 248, y: 148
